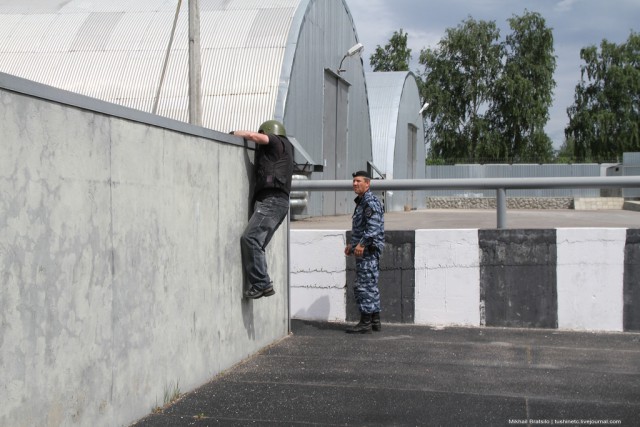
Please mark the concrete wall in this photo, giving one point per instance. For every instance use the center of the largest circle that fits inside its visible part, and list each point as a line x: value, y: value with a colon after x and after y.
x: 570, y: 278
x: 120, y: 274
x: 598, y: 203
x: 490, y: 203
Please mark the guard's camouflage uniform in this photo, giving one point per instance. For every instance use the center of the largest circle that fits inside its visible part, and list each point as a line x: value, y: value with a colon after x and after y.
x: 368, y: 230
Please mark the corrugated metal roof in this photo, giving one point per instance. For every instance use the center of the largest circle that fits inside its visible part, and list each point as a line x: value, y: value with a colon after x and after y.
x: 385, y: 93
x: 116, y: 51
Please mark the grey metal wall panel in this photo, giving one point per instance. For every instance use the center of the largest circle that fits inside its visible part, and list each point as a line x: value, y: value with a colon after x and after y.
x: 631, y: 158
x: 631, y: 166
x: 515, y: 171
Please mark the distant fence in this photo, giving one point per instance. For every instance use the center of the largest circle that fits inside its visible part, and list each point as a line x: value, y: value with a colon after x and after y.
x: 465, y: 171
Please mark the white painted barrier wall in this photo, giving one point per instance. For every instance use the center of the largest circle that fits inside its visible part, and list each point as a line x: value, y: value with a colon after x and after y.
x: 590, y: 274
x: 447, y: 277
x: 590, y: 278
x: 318, y: 274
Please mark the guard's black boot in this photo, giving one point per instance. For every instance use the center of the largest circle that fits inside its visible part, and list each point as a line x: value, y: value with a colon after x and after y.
x: 375, y: 322
x: 363, y: 327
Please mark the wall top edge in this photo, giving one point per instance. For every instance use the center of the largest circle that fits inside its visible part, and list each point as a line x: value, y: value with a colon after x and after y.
x: 48, y: 93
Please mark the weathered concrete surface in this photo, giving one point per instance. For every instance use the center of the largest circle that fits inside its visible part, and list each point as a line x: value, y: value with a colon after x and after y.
x: 565, y: 278
x: 632, y: 281
x: 518, y: 278
x: 120, y: 274
x: 318, y: 274
x: 591, y: 278
x: 396, y: 280
x: 447, y: 277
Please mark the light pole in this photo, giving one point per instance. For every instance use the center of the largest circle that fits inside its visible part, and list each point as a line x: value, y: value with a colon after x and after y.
x: 195, y: 68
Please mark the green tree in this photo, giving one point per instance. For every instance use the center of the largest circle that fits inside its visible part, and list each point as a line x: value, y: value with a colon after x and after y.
x: 604, y: 119
x: 489, y: 99
x: 524, y: 92
x: 566, y: 152
x: 394, y: 57
x: 458, y: 84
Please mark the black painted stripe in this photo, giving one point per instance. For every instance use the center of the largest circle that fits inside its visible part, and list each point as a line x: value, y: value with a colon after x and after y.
x: 518, y: 278
x: 396, y: 281
x: 631, y: 292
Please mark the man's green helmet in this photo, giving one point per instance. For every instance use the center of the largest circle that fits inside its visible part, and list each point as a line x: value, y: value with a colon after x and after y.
x: 273, y: 127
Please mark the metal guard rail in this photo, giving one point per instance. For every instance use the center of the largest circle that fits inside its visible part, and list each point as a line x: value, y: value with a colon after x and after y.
x: 501, y: 185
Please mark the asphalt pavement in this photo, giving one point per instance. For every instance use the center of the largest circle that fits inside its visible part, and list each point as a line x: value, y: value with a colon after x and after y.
x: 410, y: 375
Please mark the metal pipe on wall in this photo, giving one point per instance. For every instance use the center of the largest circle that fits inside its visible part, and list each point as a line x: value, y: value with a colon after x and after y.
x: 474, y: 183
x: 165, y: 64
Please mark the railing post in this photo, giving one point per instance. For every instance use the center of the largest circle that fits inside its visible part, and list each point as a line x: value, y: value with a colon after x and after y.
x: 501, y: 206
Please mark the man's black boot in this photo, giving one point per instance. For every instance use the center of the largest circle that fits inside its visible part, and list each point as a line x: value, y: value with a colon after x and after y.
x: 375, y: 322
x: 363, y: 327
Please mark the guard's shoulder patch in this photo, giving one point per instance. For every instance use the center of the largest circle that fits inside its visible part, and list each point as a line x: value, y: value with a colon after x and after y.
x: 368, y: 211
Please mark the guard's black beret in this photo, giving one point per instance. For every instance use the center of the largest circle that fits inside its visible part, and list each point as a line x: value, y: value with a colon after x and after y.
x: 361, y: 173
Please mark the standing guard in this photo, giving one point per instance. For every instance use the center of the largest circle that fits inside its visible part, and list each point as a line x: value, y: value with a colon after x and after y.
x: 366, y: 244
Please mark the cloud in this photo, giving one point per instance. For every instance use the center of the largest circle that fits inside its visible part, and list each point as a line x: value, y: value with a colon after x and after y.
x: 565, y: 5
x: 575, y: 24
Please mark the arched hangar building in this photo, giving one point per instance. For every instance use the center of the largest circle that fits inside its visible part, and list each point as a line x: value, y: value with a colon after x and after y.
x: 260, y: 59
x: 397, y: 131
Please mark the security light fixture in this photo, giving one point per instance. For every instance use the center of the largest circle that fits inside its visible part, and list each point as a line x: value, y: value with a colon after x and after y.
x: 355, y: 50
x: 424, y: 107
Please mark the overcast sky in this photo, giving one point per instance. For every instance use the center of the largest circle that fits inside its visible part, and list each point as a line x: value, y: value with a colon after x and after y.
x: 575, y: 24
